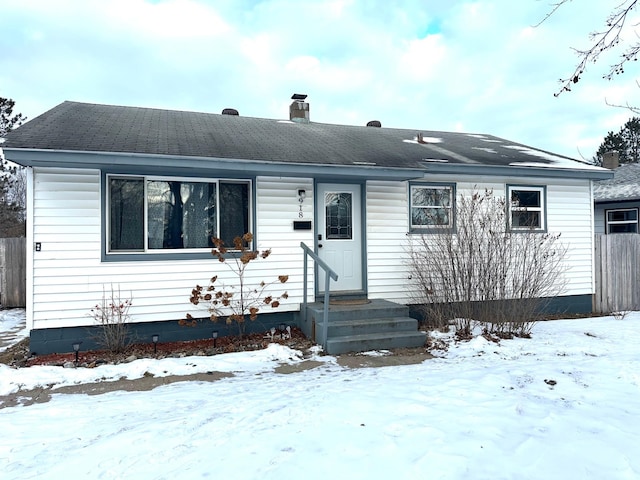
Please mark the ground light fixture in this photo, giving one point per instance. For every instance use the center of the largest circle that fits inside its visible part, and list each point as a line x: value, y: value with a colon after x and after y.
x: 214, y: 335
x: 76, y: 348
x: 154, y: 338
x: 282, y: 329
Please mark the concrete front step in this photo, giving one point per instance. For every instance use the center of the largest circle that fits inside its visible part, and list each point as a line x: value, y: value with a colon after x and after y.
x: 373, y: 309
x: 371, y: 325
x: 359, y: 327
x: 374, y: 341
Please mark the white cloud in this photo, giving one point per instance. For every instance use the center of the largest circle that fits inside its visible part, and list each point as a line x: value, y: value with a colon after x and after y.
x: 477, y: 66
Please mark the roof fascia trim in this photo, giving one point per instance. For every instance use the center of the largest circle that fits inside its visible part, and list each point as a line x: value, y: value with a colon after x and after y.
x: 507, y: 171
x: 113, y: 160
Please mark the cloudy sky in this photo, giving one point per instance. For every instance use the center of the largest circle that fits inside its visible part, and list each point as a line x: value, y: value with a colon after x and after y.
x: 456, y: 65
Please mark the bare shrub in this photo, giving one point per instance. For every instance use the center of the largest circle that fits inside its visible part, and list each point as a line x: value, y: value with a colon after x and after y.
x: 619, y: 314
x: 483, y: 271
x: 112, y: 317
x: 237, y: 301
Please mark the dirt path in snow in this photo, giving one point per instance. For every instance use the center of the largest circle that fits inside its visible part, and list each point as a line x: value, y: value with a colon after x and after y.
x: 43, y: 394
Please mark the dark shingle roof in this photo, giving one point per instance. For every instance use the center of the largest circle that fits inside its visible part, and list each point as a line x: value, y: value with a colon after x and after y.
x: 73, y: 126
x: 624, y: 186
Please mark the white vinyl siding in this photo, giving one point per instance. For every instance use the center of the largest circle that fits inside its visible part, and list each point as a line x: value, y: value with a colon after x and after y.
x: 69, y: 277
x: 568, y: 212
x: 387, y: 227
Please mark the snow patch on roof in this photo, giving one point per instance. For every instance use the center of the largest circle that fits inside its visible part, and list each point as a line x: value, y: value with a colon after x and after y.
x: 485, y: 149
x: 557, y: 161
x: 484, y: 138
x: 422, y: 139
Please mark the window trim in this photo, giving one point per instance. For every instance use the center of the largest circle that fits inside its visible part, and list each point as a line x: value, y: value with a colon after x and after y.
x: 417, y: 229
x: 164, y: 254
x: 624, y: 222
x: 542, y: 189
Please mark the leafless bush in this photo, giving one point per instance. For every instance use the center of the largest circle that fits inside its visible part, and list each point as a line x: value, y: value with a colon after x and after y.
x: 619, y: 314
x: 237, y: 301
x: 112, y: 317
x: 483, y: 271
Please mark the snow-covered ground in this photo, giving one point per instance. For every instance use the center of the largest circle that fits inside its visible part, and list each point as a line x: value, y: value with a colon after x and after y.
x: 562, y: 405
x: 12, y: 327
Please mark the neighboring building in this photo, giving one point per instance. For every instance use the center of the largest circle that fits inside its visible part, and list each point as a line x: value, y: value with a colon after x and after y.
x: 617, y: 200
x: 129, y: 197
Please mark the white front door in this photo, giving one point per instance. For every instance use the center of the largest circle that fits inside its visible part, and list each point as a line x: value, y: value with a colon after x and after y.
x: 339, y: 235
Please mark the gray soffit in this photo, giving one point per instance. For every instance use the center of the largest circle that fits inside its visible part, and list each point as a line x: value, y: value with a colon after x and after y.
x: 143, y: 135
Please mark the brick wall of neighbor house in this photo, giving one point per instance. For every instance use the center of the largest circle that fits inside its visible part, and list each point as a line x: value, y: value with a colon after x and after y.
x: 69, y: 276
x: 568, y: 213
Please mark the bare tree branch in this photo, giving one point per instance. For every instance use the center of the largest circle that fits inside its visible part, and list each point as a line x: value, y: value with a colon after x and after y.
x: 626, y: 106
x: 554, y: 9
x: 602, y: 41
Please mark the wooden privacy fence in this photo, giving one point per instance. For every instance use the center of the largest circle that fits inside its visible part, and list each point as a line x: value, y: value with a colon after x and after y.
x: 617, y: 266
x: 13, y: 268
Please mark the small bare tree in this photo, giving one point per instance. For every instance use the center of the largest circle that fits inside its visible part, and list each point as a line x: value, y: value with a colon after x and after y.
x: 484, y: 271
x: 112, y: 317
x: 238, y: 301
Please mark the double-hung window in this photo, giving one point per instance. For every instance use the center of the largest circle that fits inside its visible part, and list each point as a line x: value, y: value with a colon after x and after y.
x: 431, y: 206
x: 527, y: 209
x: 154, y: 214
x: 623, y: 220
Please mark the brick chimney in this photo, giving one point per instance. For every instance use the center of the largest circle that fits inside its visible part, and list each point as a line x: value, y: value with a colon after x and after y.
x: 611, y: 160
x: 299, y: 109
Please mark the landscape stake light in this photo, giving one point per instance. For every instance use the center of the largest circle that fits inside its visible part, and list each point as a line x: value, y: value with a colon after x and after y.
x: 154, y: 338
x: 282, y: 328
x: 76, y: 348
x: 215, y: 337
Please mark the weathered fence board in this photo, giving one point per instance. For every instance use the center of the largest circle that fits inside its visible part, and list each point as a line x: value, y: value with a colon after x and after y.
x: 617, y: 271
x: 13, y: 268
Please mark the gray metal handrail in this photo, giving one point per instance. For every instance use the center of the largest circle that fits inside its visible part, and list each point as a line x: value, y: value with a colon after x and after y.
x: 329, y: 274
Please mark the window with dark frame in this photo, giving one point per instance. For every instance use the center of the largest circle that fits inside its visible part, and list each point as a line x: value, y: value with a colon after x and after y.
x: 431, y: 206
x: 150, y: 214
x: 623, y: 220
x: 338, y: 215
x: 526, y: 208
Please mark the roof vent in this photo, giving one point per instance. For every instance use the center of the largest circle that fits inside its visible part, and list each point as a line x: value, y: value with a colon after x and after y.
x: 299, y: 109
x: 374, y: 123
x: 230, y: 111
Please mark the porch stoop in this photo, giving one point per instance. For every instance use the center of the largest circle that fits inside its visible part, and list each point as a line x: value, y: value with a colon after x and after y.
x: 377, y: 325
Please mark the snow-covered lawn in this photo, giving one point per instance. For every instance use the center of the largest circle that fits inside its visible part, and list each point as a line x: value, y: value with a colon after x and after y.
x: 562, y: 405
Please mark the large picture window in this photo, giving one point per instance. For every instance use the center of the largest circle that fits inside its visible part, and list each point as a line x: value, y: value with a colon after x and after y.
x: 526, y: 208
x: 158, y: 214
x: 623, y: 220
x: 431, y: 206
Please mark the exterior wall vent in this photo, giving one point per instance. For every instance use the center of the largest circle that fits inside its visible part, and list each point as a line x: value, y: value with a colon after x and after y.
x: 374, y: 123
x: 299, y: 109
x: 230, y: 111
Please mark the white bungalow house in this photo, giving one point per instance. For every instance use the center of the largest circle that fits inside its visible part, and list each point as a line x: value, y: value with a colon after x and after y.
x: 129, y: 197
